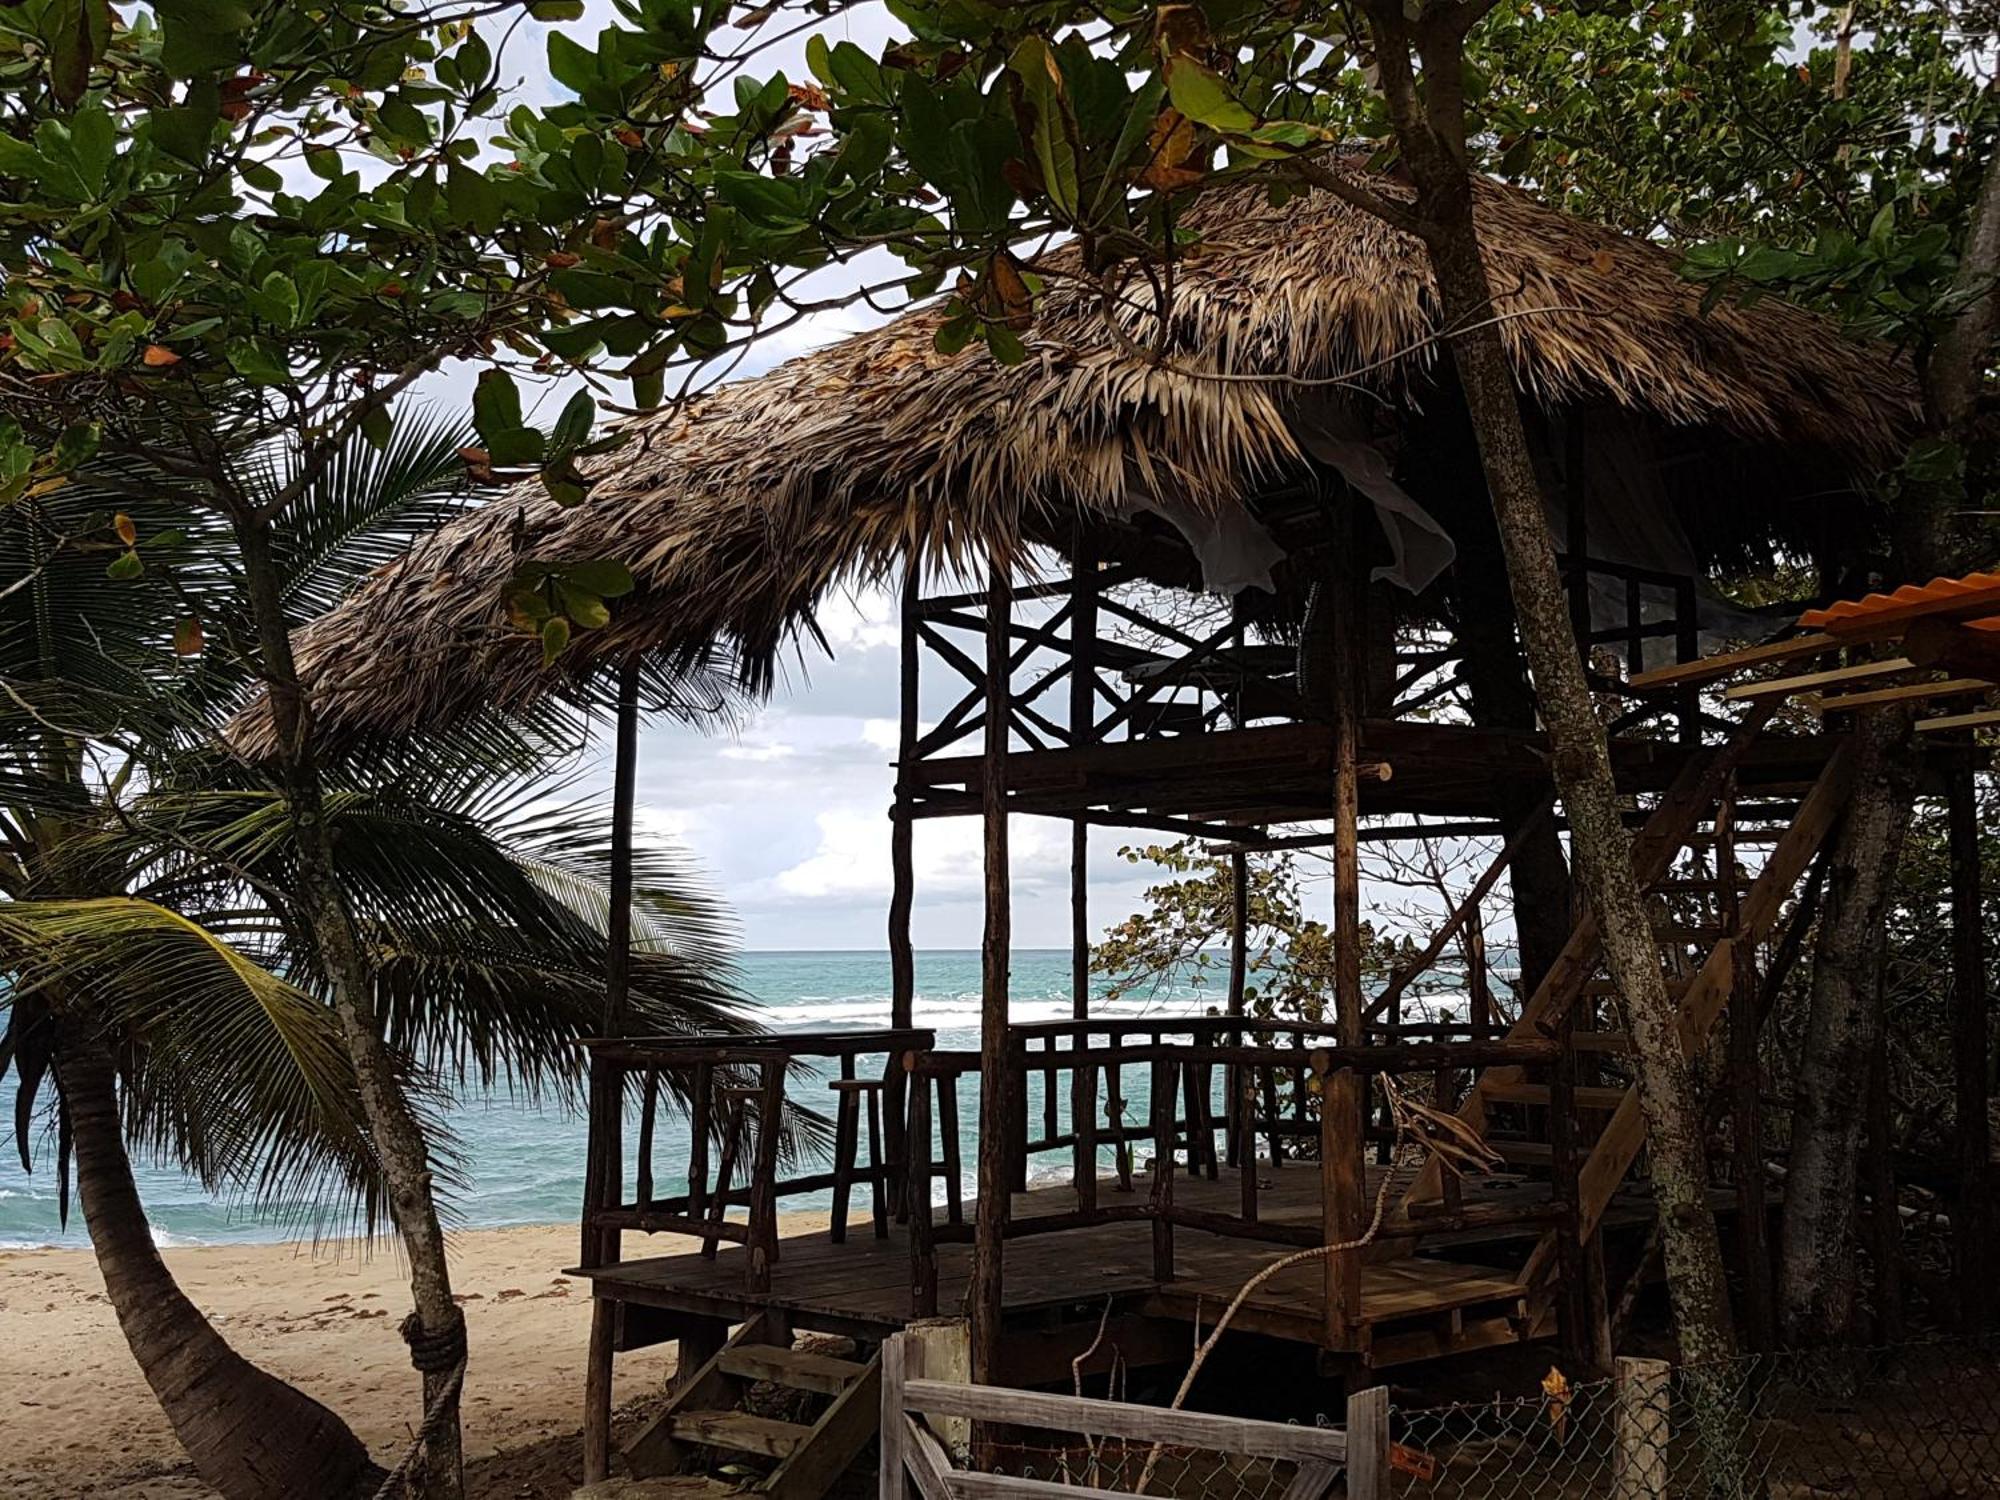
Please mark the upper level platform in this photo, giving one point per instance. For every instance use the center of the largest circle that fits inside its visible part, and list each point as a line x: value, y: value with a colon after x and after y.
x: 1233, y: 782
x: 1132, y: 704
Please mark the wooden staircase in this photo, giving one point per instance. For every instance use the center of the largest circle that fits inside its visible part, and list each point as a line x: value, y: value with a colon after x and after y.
x: 1700, y: 958
x: 716, y: 1422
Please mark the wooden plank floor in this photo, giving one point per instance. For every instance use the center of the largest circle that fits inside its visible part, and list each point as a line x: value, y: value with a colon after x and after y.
x: 863, y: 1286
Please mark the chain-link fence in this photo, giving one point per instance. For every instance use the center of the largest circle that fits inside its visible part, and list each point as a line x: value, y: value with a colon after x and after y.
x: 1914, y: 1422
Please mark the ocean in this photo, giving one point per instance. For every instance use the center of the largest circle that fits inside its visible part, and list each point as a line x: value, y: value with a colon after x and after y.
x: 524, y: 1165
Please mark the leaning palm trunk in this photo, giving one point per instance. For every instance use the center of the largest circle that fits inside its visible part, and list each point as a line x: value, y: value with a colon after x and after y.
x: 250, y: 1435
x: 398, y: 1138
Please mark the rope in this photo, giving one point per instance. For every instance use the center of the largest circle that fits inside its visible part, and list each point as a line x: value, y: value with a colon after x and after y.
x: 433, y: 1354
x: 1403, y: 1112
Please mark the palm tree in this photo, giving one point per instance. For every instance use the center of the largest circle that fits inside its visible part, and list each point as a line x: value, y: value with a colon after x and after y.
x: 157, y: 974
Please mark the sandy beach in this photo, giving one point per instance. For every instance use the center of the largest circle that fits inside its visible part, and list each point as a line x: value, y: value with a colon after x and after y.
x: 80, y: 1419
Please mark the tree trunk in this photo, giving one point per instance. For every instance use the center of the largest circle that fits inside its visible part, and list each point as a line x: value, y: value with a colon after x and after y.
x: 250, y: 1435
x: 1581, y: 762
x: 1817, y: 1272
x: 1444, y: 466
x: 1817, y: 1268
x: 1429, y: 127
x: 396, y: 1136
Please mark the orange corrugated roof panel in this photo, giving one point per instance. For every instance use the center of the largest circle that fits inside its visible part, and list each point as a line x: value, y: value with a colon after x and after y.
x: 1969, y: 599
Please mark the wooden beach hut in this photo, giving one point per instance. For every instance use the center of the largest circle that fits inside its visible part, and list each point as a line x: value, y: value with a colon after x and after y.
x: 1212, y: 565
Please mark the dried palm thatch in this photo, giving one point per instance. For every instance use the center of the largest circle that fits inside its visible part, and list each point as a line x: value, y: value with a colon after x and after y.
x: 738, y: 511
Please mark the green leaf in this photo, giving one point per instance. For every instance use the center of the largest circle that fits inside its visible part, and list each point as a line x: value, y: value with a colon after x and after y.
x: 601, y: 576
x: 93, y: 143
x: 572, y: 428
x: 496, y: 405
x: 555, y: 639
x: 471, y: 199
x: 258, y: 362
x: 1204, y: 97
x: 819, y: 60
x: 78, y: 31
x: 571, y: 64
x: 1053, y: 124
x: 201, y: 36
x: 776, y: 202
x: 376, y: 426
x: 125, y: 567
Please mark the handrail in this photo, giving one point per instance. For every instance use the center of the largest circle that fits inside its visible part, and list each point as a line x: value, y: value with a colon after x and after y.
x: 736, y: 1087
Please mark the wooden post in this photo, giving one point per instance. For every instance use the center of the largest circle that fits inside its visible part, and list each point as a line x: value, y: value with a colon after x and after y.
x: 1972, y: 1215
x: 605, y: 1167
x: 1746, y: 1092
x: 1082, y: 731
x: 1639, y: 1458
x: 1573, y: 1316
x: 902, y: 874
x: 892, y: 1482
x: 1239, y: 972
x: 1342, y: 1097
x: 917, y: 1195
x: 941, y: 1349
x: 1083, y: 1121
x: 1162, y: 1091
x: 1577, y: 540
x: 1368, y: 1444
x: 1342, y: 1193
x: 764, y: 1177
x: 995, y: 1096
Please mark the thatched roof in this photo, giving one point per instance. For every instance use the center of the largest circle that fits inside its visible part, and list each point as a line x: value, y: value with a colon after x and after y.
x: 737, y: 512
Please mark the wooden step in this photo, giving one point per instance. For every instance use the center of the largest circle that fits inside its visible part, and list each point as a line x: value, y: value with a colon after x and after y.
x: 1524, y: 1153
x: 739, y: 1432
x: 796, y: 1369
x: 1538, y: 1093
x: 1704, y: 933
x: 1602, y: 989
x: 1600, y: 1041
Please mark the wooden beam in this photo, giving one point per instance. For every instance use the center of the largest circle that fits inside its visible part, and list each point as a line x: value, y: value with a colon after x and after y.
x: 1237, y: 1436
x: 1785, y: 687
x: 1951, y: 687
x: 983, y: 1293
x: 1714, y: 668
x: 1984, y: 718
x: 607, y: 1114
x: 902, y: 870
x: 1954, y: 648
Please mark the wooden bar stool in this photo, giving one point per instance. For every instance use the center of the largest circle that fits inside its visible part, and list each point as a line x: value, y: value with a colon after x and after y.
x: 849, y: 1092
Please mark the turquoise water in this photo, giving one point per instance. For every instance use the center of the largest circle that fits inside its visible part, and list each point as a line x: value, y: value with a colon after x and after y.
x: 525, y: 1166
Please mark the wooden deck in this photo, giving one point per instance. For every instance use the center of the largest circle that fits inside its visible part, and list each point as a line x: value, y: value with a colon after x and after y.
x: 1282, y: 773
x: 1415, y: 1307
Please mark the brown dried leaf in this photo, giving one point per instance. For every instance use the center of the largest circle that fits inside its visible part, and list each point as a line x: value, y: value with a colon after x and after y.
x: 1169, y: 144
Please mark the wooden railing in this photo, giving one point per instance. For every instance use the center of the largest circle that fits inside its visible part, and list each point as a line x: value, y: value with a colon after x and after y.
x: 1164, y: 677
x: 1151, y: 676
x: 734, y: 1091
x: 924, y: 1376
x: 1274, y: 1073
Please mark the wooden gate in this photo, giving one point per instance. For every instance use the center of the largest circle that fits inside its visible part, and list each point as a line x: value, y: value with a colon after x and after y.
x: 926, y: 1420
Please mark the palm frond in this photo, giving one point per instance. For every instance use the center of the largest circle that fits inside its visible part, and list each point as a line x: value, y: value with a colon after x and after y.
x: 235, y: 1075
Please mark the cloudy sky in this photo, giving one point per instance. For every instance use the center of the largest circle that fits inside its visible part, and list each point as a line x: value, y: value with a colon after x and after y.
x: 788, y: 810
